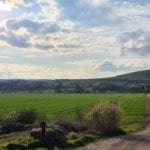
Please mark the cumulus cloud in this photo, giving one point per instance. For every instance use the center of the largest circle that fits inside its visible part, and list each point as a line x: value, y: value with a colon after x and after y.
x: 23, y: 33
x: 58, y: 29
x: 13, y: 3
x: 94, y: 2
x: 38, y: 72
x: 44, y: 46
x: 136, y: 41
x: 50, y: 10
x: 108, y: 66
x: 88, y: 15
x: 134, y: 14
x: 32, y: 26
x: 69, y: 46
x: 17, y: 41
x: 53, y: 37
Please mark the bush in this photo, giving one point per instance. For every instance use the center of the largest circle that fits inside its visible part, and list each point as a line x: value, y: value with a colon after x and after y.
x: 104, y: 117
x: 27, y: 116
x: 24, y: 117
x: 12, y: 118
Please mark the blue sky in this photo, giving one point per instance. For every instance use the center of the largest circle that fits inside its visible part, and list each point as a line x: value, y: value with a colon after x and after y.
x: 49, y: 39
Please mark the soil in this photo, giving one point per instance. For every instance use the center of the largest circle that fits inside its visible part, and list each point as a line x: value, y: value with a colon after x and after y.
x: 137, y: 141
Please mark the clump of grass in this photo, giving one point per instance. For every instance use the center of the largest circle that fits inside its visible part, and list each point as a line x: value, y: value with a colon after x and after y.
x: 79, y: 115
x: 15, y: 141
x: 76, y: 140
x: 131, y: 128
x: 104, y: 118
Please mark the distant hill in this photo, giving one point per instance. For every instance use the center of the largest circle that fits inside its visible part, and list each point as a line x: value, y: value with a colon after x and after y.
x: 130, y: 83
x: 139, y: 75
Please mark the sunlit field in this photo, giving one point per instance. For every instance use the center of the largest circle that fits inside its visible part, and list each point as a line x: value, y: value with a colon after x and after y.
x: 51, y: 105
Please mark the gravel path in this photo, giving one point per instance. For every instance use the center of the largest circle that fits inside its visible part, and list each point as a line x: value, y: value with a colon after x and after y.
x: 138, y: 141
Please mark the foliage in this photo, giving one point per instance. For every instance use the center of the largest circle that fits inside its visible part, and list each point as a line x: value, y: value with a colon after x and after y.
x: 104, y: 117
x: 23, y: 116
x: 27, y: 116
x: 76, y: 140
x: 132, y: 82
x: 18, y: 141
x: 13, y: 118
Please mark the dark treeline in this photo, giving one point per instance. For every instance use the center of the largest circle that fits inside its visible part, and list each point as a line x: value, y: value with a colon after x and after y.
x: 73, y: 86
x: 133, y: 82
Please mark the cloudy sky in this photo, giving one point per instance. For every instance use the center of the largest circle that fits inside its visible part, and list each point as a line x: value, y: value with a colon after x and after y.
x: 73, y: 38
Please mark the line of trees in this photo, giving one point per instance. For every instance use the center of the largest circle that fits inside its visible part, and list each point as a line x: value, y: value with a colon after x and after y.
x: 73, y: 86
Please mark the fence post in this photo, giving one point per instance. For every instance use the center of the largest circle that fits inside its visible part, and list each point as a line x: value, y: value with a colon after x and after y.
x: 43, y: 130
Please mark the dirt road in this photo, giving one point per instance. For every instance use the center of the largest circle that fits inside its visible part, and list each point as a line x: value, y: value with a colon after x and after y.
x: 137, y: 141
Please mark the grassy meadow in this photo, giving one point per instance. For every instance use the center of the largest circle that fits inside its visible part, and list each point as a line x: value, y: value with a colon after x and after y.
x: 50, y: 105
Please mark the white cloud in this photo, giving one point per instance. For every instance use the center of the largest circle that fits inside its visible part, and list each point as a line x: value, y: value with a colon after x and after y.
x: 38, y: 72
x: 12, y: 3
x: 134, y: 16
x: 94, y: 2
x: 90, y: 27
x: 129, y: 65
x: 4, y: 7
x: 59, y: 40
x: 50, y: 10
x: 112, y: 67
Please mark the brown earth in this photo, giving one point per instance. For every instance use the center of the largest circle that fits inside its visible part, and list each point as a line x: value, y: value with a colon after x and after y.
x: 137, y: 141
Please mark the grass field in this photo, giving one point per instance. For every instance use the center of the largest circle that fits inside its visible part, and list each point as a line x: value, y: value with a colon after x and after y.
x: 50, y: 104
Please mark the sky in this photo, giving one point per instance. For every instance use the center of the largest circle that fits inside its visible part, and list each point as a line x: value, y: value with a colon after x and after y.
x: 70, y: 39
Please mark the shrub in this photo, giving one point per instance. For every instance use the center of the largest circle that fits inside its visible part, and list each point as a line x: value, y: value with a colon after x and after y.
x: 104, y: 117
x: 24, y: 117
x: 12, y: 118
x: 27, y: 116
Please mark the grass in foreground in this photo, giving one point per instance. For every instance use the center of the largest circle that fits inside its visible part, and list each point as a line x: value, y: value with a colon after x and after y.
x: 132, y: 105
x: 22, y: 139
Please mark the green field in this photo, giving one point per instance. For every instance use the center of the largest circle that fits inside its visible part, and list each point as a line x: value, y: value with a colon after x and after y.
x: 50, y: 104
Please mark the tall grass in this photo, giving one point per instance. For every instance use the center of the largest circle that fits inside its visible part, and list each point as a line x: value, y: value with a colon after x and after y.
x: 105, y: 117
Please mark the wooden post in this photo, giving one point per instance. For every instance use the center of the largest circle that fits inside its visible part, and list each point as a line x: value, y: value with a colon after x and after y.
x: 43, y: 129
x: 145, y: 90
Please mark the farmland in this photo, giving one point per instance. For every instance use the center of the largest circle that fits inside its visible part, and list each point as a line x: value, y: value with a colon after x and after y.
x: 50, y: 105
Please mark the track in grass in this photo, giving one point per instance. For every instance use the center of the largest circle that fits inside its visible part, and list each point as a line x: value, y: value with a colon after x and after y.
x: 50, y: 104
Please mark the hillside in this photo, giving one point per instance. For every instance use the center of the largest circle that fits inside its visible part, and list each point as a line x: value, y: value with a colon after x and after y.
x: 140, y: 75
x: 132, y: 82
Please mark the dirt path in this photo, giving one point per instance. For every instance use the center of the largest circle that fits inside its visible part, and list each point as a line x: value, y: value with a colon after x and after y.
x: 136, y: 141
